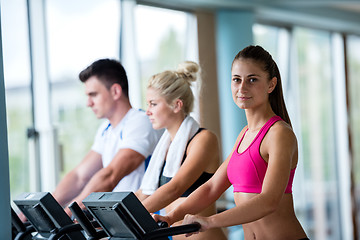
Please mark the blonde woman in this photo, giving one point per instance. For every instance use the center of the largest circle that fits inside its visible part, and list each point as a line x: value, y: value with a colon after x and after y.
x: 186, y: 155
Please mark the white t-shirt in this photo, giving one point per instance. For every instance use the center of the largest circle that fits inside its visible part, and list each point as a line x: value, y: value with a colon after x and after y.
x: 133, y: 132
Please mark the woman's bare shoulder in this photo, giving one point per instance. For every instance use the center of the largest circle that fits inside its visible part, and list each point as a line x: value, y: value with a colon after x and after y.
x: 281, y: 133
x: 205, y: 136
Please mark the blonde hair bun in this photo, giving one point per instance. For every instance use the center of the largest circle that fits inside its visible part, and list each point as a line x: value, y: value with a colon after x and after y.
x: 170, y: 84
x: 188, y: 70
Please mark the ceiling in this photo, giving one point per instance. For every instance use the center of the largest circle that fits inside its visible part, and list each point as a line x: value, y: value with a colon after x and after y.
x: 342, y: 16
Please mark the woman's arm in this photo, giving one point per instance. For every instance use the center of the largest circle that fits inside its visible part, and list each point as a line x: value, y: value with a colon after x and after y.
x: 202, y: 150
x: 204, y: 196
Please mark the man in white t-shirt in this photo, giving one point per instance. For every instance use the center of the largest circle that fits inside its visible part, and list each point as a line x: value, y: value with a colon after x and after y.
x: 116, y: 161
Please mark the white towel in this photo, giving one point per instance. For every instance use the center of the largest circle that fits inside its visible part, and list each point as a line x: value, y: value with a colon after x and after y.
x: 175, y: 152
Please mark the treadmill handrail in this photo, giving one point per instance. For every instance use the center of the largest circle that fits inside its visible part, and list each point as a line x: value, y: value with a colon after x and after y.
x: 26, y: 234
x: 64, y: 230
x: 171, y: 231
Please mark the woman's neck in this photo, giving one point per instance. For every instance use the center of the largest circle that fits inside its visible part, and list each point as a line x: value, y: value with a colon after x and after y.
x: 257, y: 119
x: 175, y: 125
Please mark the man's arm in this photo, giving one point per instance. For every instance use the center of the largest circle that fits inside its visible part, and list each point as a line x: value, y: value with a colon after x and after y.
x: 74, y: 182
x: 105, y: 180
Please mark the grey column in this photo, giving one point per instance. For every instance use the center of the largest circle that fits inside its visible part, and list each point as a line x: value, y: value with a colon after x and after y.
x: 5, y: 219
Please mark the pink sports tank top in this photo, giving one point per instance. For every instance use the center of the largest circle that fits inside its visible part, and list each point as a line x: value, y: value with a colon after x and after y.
x: 246, y: 170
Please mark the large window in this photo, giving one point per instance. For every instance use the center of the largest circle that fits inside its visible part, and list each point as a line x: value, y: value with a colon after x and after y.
x: 321, y: 213
x: 17, y: 88
x: 79, y: 32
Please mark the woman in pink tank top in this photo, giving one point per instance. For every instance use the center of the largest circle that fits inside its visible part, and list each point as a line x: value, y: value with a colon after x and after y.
x: 262, y: 163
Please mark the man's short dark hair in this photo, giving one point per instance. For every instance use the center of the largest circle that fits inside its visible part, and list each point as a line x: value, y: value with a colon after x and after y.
x: 108, y: 71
